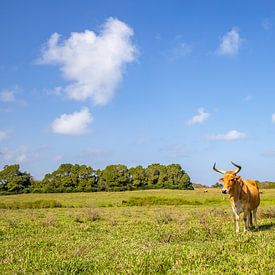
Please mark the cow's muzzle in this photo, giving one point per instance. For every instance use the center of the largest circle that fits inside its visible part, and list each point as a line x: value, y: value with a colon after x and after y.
x: 224, y: 191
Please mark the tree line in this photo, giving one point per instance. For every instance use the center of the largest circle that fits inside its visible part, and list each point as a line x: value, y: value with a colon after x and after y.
x: 83, y: 178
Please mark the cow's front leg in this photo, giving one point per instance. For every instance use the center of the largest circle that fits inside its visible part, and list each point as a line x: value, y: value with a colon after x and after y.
x: 246, y: 218
x: 237, y: 222
x: 237, y: 217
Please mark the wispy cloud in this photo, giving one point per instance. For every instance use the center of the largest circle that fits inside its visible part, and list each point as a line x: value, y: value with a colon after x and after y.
x: 93, y: 63
x: 273, y: 118
x: 269, y: 153
x: 57, y: 158
x: 8, y: 95
x: 55, y: 91
x: 178, y: 49
x: 266, y: 24
x: 19, y: 155
x: 3, y: 135
x: 230, y: 135
x: 98, y: 152
x: 201, y: 117
x: 174, y: 151
x: 230, y: 43
x: 248, y: 98
x: 73, y: 124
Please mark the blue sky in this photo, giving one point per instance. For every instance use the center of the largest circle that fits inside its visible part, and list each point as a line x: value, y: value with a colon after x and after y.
x: 138, y: 82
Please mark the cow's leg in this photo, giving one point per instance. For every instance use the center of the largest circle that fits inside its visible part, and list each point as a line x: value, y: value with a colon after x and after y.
x: 246, y: 220
x: 250, y: 219
x: 236, y: 217
x: 237, y: 222
x: 254, y: 214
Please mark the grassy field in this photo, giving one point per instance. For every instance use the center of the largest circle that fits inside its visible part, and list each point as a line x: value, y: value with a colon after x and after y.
x: 139, y: 232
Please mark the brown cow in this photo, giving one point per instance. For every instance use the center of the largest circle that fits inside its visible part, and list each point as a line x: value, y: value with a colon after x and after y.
x: 244, y: 196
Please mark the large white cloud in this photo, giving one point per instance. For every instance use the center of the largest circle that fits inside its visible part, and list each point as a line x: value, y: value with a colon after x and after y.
x: 201, y: 117
x: 93, y: 63
x: 73, y: 124
x: 230, y: 135
x: 230, y: 43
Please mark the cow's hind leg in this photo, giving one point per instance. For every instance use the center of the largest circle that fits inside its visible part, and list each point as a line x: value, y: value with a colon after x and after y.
x: 254, y: 214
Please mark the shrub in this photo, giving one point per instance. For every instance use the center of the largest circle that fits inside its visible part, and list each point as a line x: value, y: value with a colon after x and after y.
x: 31, y: 204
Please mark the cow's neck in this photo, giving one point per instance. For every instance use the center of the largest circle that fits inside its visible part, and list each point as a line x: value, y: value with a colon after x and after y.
x: 237, y: 192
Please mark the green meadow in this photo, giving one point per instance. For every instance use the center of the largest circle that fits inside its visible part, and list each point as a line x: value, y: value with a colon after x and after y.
x: 135, y: 232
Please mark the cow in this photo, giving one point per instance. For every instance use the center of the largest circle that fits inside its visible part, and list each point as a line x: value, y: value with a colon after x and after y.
x: 244, y: 196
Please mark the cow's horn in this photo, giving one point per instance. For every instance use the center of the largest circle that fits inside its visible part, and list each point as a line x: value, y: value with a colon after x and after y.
x: 217, y: 170
x: 238, y: 167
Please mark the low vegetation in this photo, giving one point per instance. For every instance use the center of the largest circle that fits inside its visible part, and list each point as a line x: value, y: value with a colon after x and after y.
x: 266, y: 185
x: 137, y: 232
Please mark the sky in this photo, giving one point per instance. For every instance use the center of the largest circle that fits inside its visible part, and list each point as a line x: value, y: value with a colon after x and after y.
x: 138, y: 82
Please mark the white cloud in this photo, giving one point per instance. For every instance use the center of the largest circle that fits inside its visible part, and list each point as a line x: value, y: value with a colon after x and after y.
x: 230, y: 44
x: 93, y: 63
x: 273, y: 118
x: 3, y: 135
x: 201, y: 117
x: 73, y: 124
x: 230, y: 135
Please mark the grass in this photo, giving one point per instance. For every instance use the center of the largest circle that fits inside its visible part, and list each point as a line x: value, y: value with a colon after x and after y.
x: 141, y: 232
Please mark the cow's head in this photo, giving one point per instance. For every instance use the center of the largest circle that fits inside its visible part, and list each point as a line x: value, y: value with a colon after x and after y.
x: 229, y: 179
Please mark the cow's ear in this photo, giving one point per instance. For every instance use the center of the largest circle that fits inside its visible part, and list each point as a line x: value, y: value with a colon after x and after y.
x: 221, y: 179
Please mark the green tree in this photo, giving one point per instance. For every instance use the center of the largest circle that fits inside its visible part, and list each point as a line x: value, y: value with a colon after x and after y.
x: 114, y: 178
x: 86, y: 178
x: 69, y: 177
x: 138, y: 177
x: 177, y: 177
x: 152, y: 174
x: 13, y: 180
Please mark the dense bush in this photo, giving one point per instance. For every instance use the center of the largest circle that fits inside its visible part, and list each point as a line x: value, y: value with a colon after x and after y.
x: 82, y: 178
x: 31, y: 204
